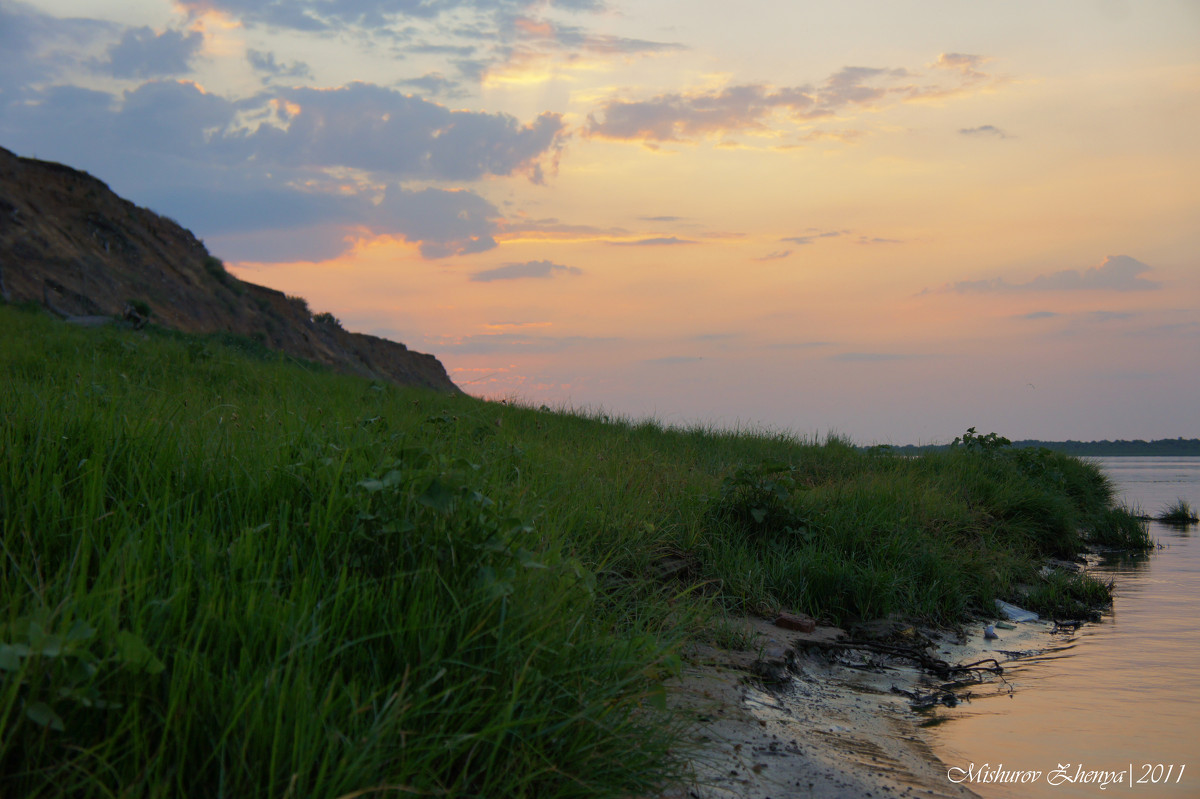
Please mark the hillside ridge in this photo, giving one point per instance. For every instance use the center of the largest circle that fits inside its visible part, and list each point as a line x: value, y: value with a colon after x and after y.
x: 70, y: 243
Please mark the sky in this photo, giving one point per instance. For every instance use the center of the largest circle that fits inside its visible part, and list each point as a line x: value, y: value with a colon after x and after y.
x: 888, y: 220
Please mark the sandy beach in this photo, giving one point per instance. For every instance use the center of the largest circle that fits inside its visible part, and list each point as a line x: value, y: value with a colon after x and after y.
x: 823, y: 724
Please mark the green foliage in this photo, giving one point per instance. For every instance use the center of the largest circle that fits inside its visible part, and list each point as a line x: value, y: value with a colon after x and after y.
x: 58, y: 679
x: 1068, y: 595
x: 988, y: 444
x: 731, y: 634
x: 1119, y: 528
x: 326, y: 318
x: 758, y: 498
x: 300, y: 303
x: 1180, y: 512
x: 231, y: 574
x: 141, y: 307
x: 216, y: 268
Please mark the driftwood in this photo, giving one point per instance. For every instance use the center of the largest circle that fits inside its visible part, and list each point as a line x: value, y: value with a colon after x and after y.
x: 926, y: 661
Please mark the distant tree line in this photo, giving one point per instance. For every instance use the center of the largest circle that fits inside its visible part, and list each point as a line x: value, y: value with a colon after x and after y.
x: 1163, y: 447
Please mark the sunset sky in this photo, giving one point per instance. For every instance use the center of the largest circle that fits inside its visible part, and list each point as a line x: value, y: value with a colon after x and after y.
x: 889, y: 220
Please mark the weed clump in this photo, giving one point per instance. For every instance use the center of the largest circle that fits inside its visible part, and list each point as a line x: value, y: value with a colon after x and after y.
x: 1069, y: 595
x: 1180, y: 512
x: 1119, y: 528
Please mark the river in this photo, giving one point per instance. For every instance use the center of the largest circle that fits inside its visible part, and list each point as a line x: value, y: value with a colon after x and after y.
x: 1118, y: 700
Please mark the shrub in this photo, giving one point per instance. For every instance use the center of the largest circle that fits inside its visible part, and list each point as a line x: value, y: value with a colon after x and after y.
x: 1179, y: 513
x: 326, y: 318
x: 1119, y: 528
x: 140, y: 307
x: 301, y: 304
x: 216, y: 268
x: 1065, y: 595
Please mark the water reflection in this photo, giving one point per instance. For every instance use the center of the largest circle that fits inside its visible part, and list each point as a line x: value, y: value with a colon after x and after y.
x: 1117, y: 695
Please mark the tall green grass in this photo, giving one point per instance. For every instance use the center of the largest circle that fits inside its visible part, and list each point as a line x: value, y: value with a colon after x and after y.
x: 1179, y: 512
x: 228, y: 574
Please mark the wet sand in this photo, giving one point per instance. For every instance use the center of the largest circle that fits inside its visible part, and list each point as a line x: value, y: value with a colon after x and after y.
x: 821, y: 724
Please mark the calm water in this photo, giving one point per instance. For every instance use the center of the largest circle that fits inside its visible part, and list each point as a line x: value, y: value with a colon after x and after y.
x: 1119, y: 694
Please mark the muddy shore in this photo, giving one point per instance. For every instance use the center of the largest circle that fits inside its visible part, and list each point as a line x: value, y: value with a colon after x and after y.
x: 797, y: 718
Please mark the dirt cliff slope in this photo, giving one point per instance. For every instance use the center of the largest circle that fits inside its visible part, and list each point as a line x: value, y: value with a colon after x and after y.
x: 67, y: 241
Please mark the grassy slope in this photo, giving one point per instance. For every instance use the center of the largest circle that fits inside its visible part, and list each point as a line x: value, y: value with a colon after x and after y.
x: 228, y: 575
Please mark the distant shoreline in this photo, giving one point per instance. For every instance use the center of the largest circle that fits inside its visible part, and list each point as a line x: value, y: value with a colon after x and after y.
x: 1163, y: 447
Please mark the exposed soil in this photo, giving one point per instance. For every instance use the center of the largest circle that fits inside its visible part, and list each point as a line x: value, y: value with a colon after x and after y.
x: 69, y: 243
x: 802, y: 717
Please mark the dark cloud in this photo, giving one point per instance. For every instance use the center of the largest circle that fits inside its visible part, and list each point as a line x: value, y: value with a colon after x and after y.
x: 984, y: 130
x: 435, y: 84
x: 667, y: 241
x: 868, y: 357
x: 142, y: 53
x: 580, y: 5
x: 1117, y: 273
x: 556, y: 228
x: 1107, y: 316
x: 173, y: 117
x: 266, y: 63
x: 620, y: 45
x: 549, y: 36
x: 517, y: 342
x: 514, y: 43
x: 529, y: 269
x: 676, y: 117
x: 689, y: 116
x: 797, y: 345
x: 810, y: 238
x: 36, y: 47
x: 441, y: 49
x: 369, y: 127
x: 774, y: 256
x: 1039, y: 315
x: 661, y: 218
x: 322, y: 15
x: 963, y: 63
x: 65, y: 123
x: 360, y: 126
x: 170, y: 146
x: 309, y: 244
x: 331, y: 15
x: 673, y: 360
x: 250, y: 222
x: 442, y: 223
